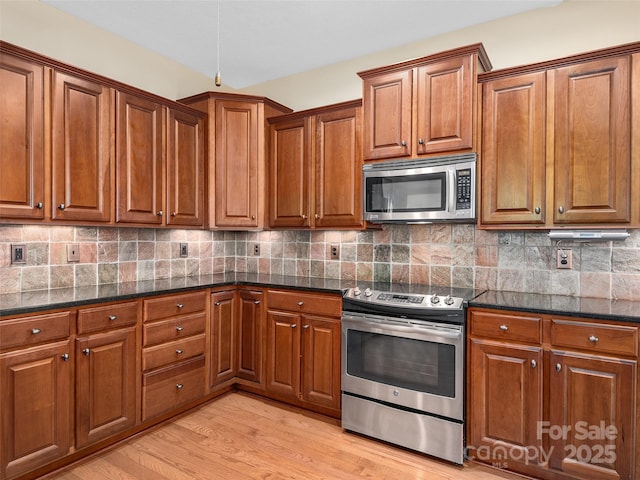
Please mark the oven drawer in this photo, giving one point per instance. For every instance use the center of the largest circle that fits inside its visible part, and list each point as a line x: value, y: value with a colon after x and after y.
x: 595, y: 337
x: 506, y: 327
x: 328, y: 305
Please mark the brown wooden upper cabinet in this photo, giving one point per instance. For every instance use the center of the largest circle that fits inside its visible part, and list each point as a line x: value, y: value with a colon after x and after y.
x: 21, y: 138
x: 237, y: 130
x: 422, y: 106
x: 556, y: 146
x: 316, y: 168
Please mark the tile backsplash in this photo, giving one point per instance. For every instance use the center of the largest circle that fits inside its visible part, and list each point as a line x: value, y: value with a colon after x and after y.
x: 439, y: 254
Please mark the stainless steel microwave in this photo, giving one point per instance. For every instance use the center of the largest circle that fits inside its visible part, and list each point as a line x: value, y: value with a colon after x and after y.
x: 438, y: 189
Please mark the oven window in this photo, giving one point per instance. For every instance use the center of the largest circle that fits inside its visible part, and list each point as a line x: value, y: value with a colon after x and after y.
x: 402, y: 362
x: 411, y: 193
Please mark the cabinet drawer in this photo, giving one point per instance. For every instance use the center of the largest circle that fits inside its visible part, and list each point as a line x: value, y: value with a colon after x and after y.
x: 328, y: 305
x: 165, y: 307
x: 508, y: 327
x: 595, y: 337
x: 171, y: 352
x: 173, y: 329
x: 107, y: 316
x: 169, y: 388
x: 32, y: 330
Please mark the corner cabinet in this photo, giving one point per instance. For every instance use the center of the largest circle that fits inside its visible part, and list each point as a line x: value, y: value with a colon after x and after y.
x: 316, y: 168
x: 553, y: 397
x: 237, y: 131
x: 557, y: 142
x: 422, y: 106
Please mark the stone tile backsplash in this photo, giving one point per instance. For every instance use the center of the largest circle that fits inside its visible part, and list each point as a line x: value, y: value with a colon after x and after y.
x: 441, y: 254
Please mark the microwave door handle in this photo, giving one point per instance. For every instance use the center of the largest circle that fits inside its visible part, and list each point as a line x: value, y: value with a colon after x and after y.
x: 451, y: 179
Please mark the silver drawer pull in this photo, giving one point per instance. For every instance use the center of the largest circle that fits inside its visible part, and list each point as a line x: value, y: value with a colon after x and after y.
x: 504, y: 328
x: 179, y: 386
x: 300, y: 304
x: 179, y: 329
x: 113, y: 317
x: 179, y: 352
x: 65, y: 357
x: 558, y: 367
x: 305, y: 326
x: 294, y: 325
x: 217, y: 304
x: 256, y: 302
x: 534, y: 364
x: 593, y: 339
x: 180, y: 305
x: 36, y: 331
x: 86, y: 352
x: 39, y: 205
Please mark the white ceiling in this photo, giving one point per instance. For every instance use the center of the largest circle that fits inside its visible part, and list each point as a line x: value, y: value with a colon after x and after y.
x: 262, y: 40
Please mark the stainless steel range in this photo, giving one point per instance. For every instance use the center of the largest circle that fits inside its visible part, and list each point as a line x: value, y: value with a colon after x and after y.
x: 403, y: 367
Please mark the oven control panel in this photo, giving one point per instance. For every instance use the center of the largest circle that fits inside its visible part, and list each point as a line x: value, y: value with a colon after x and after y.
x: 413, y: 301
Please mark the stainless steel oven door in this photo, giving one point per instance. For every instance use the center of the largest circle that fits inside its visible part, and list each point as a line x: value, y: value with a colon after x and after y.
x: 418, y: 365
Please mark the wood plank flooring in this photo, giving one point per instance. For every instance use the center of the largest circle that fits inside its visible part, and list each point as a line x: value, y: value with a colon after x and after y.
x: 240, y: 436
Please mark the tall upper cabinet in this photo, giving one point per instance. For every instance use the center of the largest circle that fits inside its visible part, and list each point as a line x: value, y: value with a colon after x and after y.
x: 561, y: 142
x: 237, y: 148
x: 76, y: 147
x: 422, y: 106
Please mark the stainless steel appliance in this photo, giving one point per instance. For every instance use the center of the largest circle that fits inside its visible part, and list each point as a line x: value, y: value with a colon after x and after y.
x: 420, y: 191
x: 403, y: 368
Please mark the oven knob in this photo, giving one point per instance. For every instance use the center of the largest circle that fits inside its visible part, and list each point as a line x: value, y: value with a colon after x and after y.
x: 435, y: 299
x: 357, y: 291
x: 368, y: 292
x: 449, y: 300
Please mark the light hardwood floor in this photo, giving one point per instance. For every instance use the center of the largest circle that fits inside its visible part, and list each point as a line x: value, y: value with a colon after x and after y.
x: 240, y: 436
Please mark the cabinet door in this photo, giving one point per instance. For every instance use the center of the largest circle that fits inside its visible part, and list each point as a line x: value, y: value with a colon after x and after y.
x: 504, y: 401
x: 513, y: 150
x: 250, y: 329
x: 592, y: 402
x: 81, y: 150
x: 185, y: 169
x: 223, y: 337
x: 237, y: 164
x: 21, y: 139
x: 387, y: 115
x: 35, y: 390
x: 338, y: 169
x: 106, y: 384
x: 139, y: 160
x: 290, y: 174
x: 445, y: 105
x: 321, y: 361
x: 283, y: 353
x: 592, y: 168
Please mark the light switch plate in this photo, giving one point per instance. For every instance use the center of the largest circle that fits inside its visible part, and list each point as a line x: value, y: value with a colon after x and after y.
x: 184, y: 250
x: 18, y: 253
x: 73, y: 252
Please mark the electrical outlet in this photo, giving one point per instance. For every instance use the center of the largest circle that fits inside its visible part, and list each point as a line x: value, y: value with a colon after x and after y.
x: 564, y: 258
x: 335, y: 252
x: 184, y: 250
x: 18, y: 253
x: 256, y: 249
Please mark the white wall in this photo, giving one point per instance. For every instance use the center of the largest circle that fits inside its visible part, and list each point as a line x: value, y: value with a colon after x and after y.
x: 573, y: 26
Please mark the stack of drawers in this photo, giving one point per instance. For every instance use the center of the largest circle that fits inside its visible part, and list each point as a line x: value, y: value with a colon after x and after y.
x: 173, y: 348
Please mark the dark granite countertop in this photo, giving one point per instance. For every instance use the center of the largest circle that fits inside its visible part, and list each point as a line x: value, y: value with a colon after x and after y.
x: 598, y: 308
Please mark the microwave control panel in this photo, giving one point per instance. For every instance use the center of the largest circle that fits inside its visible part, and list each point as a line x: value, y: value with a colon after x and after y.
x: 463, y: 186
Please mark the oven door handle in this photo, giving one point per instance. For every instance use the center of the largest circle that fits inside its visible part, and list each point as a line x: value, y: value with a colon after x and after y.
x: 402, y: 326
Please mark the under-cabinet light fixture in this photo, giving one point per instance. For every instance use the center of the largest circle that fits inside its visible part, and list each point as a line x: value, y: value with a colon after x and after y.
x: 589, y: 235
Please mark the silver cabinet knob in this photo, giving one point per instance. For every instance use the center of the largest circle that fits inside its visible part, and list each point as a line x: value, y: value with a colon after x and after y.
x: 403, y: 143
x: 253, y: 217
x: 179, y: 386
x: 420, y: 141
x: 504, y: 328
x: 86, y: 352
x: 180, y: 305
x: 65, y: 357
x: 113, y: 317
x: 173, y: 214
x: 558, y: 367
x: 593, y: 339
x: 179, y: 329
x: 179, y: 351
x: 537, y: 210
x: 217, y: 304
x: 560, y: 209
x: 39, y: 205
x: 305, y: 326
x: 61, y: 206
x: 35, y: 331
x: 534, y: 364
x: 159, y: 213
x: 300, y: 304
x: 256, y: 302
x: 294, y: 325
x: 304, y: 217
x: 317, y: 216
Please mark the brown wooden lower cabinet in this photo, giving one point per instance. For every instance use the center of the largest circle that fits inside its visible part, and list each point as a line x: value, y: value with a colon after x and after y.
x: 553, y: 397
x: 224, y: 332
